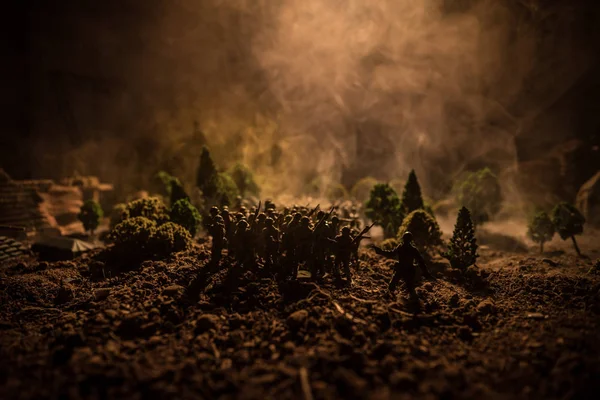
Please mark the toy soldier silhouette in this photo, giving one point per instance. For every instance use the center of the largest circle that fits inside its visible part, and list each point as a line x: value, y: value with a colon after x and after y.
x: 217, y: 231
x: 407, y: 255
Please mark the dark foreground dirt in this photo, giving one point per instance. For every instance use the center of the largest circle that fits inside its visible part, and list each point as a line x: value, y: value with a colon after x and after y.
x: 522, y: 326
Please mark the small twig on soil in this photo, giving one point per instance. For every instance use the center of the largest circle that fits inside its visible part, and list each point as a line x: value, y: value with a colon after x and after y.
x: 347, y: 314
x: 361, y: 300
x: 306, y: 391
x: 318, y: 291
x: 215, y: 351
x: 400, y: 312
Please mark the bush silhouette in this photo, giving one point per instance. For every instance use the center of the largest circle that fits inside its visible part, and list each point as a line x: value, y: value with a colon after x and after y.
x: 176, y: 192
x: 140, y: 238
x: 151, y: 207
x: 131, y: 238
x: 480, y: 192
x: 227, y: 191
x: 185, y: 214
x: 207, y: 175
x: 336, y: 192
x: 384, y: 209
x: 244, y: 180
x: 162, y: 183
x: 424, y: 228
x: 362, y: 189
x: 541, y: 229
x: 169, y: 238
x: 90, y: 215
x: 568, y: 222
x: 411, y: 196
x: 462, y: 251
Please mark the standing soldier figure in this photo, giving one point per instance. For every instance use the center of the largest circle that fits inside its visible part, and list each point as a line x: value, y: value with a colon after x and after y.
x: 244, y: 244
x: 217, y: 231
x: 320, y: 248
x: 271, y: 241
x: 228, y: 225
x: 344, y: 245
x: 210, y: 219
x: 302, y: 238
x: 407, y: 255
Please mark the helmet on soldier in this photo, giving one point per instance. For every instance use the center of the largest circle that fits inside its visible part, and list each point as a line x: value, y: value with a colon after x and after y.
x: 407, y: 237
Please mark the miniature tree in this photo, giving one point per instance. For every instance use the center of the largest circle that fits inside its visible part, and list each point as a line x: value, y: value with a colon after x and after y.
x: 176, y: 191
x: 185, y: 214
x: 162, y: 181
x: 411, y: 196
x: 244, y: 180
x: 568, y: 222
x: 384, y: 209
x: 170, y: 238
x: 541, y: 229
x: 207, y: 175
x: 424, y: 228
x: 131, y: 238
x: 362, y: 189
x: 480, y: 192
x: 462, y: 251
x: 90, y: 215
x: 227, y: 190
x: 139, y: 238
x: 336, y: 192
x: 151, y: 207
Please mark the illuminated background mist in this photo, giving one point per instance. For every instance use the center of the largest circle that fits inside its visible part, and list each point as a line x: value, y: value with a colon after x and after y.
x: 345, y: 88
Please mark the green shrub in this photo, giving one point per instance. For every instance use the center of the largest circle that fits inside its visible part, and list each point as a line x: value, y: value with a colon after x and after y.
x: 177, y: 192
x: 90, y: 215
x: 362, y: 189
x: 568, y: 222
x: 480, y: 192
x: 139, y: 238
x: 244, y: 180
x: 384, y: 209
x: 541, y: 229
x: 185, y: 214
x: 411, y: 195
x: 162, y: 183
x: 170, y: 238
x: 462, y: 251
x: 151, y: 207
x: 424, y: 228
x: 131, y: 238
x: 227, y: 191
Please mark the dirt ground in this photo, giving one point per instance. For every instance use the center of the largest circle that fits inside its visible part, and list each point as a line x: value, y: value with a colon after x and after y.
x: 521, y: 325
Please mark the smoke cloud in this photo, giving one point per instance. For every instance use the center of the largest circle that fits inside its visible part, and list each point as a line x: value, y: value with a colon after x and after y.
x: 345, y: 89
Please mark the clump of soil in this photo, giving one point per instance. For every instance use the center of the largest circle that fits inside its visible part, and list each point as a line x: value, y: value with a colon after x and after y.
x: 518, y: 326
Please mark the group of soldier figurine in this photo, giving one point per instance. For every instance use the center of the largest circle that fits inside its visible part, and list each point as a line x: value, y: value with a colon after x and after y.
x: 323, y: 242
